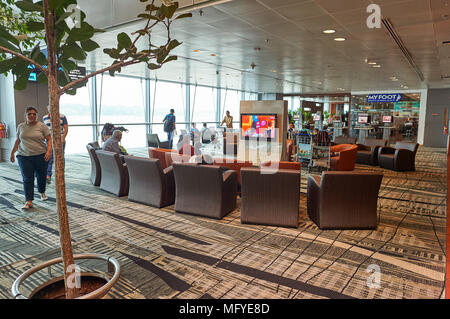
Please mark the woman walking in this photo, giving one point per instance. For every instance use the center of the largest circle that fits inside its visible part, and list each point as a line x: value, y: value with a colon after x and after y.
x: 33, y: 154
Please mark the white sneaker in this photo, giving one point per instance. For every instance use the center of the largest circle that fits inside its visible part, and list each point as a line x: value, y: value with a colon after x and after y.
x: 44, y: 197
x: 27, y: 205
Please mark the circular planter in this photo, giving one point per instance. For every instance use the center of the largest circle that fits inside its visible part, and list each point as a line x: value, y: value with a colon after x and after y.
x: 94, y: 285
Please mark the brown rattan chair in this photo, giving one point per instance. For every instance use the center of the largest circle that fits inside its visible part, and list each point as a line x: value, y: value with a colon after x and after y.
x: 367, y: 152
x: 344, y: 200
x: 96, y: 172
x: 114, y: 173
x: 399, y: 158
x: 204, y: 190
x: 149, y: 183
x: 270, y: 199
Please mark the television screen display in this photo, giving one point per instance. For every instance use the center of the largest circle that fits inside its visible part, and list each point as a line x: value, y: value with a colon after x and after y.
x: 387, y: 119
x: 316, y: 117
x: 363, y: 118
x: 258, y: 126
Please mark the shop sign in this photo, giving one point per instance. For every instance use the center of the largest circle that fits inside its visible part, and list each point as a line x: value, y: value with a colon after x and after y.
x: 373, y: 98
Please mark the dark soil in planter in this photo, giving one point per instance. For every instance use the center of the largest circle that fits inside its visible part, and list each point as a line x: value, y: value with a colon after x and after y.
x: 56, y: 290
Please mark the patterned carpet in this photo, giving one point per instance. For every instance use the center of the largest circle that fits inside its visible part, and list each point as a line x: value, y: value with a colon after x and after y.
x: 164, y: 254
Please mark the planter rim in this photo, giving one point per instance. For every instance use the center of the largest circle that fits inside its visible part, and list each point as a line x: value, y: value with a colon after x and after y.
x: 92, y: 295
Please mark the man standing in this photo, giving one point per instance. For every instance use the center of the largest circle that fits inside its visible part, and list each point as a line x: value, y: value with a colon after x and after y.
x: 228, y: 120
x: 169, y: 126
x: 64, y: 130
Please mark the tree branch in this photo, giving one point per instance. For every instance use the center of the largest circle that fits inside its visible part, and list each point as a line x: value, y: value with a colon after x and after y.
x: 23, y: 57
x: 83, y: 79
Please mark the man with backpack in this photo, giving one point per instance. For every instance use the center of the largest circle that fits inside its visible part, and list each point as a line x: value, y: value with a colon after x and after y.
x: 169, y: 126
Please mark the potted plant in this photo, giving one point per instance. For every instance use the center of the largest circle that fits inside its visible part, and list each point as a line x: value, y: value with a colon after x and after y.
x: 46, y: 23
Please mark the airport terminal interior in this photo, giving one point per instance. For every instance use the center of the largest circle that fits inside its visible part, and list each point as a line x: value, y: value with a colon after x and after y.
x: 295, y: 149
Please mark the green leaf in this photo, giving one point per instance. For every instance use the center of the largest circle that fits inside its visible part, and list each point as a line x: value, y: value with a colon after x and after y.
x: 7, y: 65
x: 7, y: 36
x: 8, y: 45
x: 171, y: 58
x: 151, y: 7
x: 55, y: 4
x: 72, y: 50
x: 20, y: 67
x: 84, y: 32
x: 28, y: 6
x: 35, y: 52
x: 182, y: 16
x: 170, y: 10
x: 144, y: 15
x: 41, y: 59
x: 22, y: 81
x: 173, y: 44
x: 67, y: 64
x: 63, y: 78
x: 141, y: 32
x: 113, y: 53
x: 63, y: 17
x: 71, y: 92
x: 124, y: 41
x: 161, y: 55
x: 42, y: 78
x: 153, y: 66
x: 34, y: 26
x: 89, y: 45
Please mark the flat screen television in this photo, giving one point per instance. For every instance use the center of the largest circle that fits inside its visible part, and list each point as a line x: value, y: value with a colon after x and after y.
x: 316, y: 117
x: 363, y: 118
x: 258, y: 125
x: 387, y: 119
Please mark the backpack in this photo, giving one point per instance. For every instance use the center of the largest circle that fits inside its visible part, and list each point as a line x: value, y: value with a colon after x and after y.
x: 169, y: 123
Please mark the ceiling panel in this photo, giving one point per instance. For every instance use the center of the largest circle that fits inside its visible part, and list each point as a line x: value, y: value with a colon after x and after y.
x: 284, y: 39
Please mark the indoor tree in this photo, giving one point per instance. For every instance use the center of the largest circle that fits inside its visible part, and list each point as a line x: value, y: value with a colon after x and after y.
x: 46, y: 24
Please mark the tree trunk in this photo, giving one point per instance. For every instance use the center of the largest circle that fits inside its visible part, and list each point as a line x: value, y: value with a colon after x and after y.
x: 58, y: 160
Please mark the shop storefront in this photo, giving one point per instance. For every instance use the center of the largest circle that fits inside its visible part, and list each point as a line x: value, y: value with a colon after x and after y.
x: 391, y: 116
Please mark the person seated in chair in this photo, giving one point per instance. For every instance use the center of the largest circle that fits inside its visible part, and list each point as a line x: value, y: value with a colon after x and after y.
x: 112, y: 143
x: 195, y: 134
x: 206, y: 134
x: 184, y: 147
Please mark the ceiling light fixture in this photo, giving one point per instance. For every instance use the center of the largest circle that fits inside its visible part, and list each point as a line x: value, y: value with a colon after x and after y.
x: 339, y: 39
x: 196, y: 50
x: 329, y: 31
x: 376, y: 66
x: 372, y: 63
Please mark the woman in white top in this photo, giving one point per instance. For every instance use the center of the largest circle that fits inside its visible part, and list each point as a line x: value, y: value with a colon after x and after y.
x: 33, y: 154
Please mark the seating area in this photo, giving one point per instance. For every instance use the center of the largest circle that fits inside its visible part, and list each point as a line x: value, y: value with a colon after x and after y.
x: 269, y: 191
x: 266, y: 229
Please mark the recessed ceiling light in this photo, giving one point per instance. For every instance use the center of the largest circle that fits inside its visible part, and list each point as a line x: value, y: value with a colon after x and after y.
x: 376, y: 66
x: 339, y: 39
x: 372, y: 63
x: 329, y: 31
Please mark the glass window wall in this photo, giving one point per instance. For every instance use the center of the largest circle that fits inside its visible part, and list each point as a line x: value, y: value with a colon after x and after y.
x: 122, y: 101
x: 77, y: 109
x: 163, y: 97
x: 203, y: 104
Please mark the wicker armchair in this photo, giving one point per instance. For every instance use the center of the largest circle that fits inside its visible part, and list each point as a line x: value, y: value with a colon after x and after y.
x: 344, y: 200
x: 204, y: 190
x: 149, y: 183
x: 270, y: 199
x: 368, y: 152
x: 114, y: 173
x: 399, y: 158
